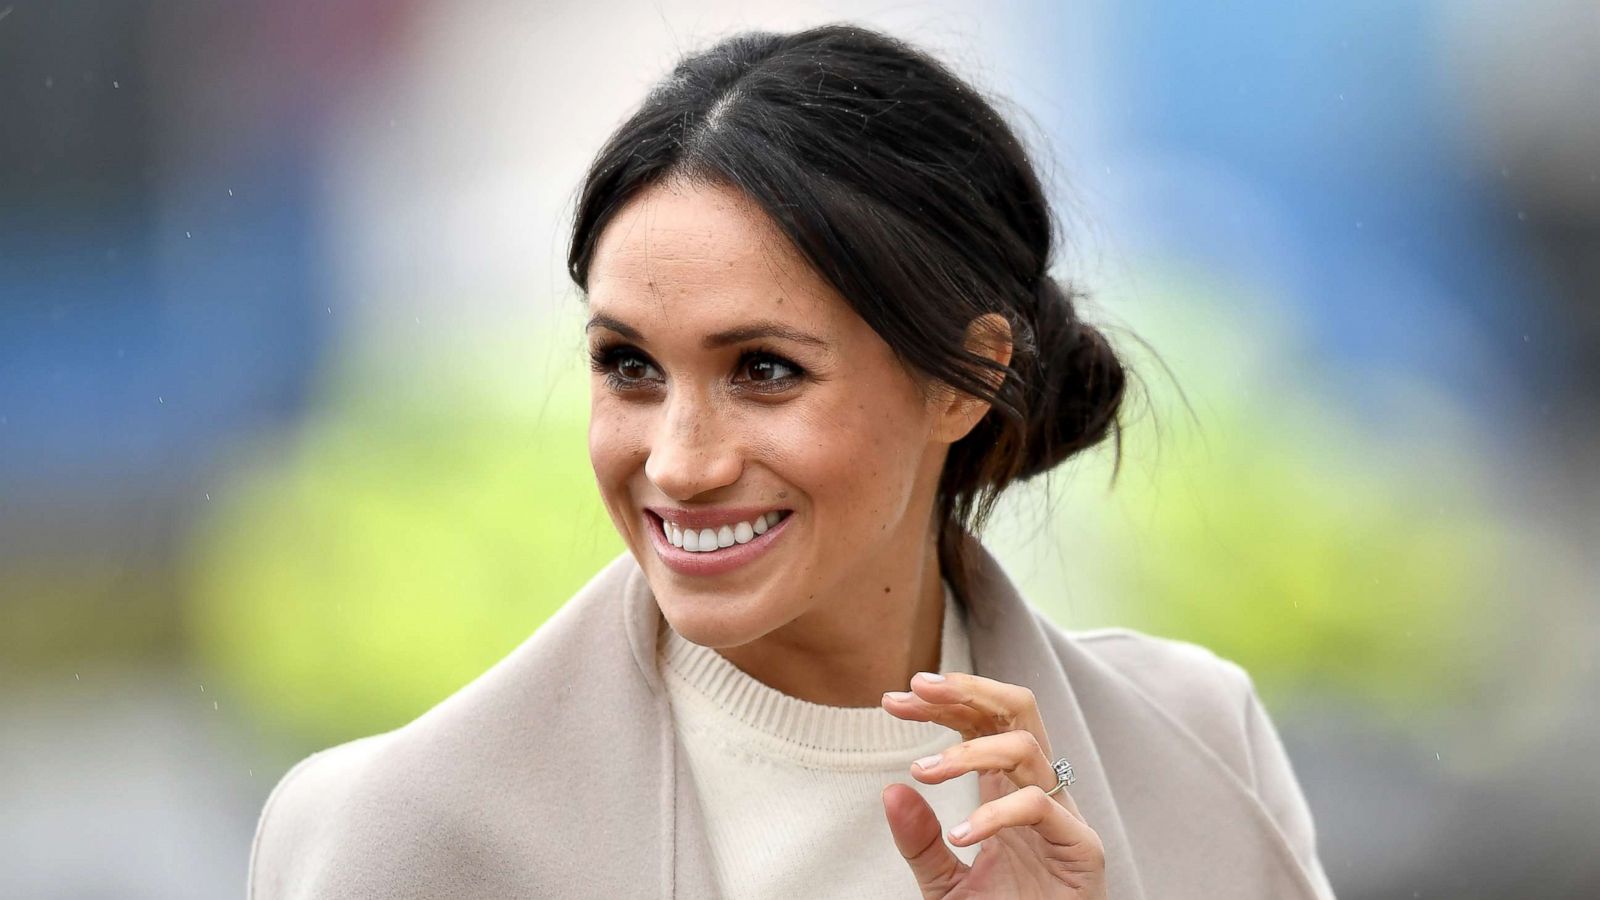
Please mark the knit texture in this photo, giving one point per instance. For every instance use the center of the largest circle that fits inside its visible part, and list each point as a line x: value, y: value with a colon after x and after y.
x: 791, y: 789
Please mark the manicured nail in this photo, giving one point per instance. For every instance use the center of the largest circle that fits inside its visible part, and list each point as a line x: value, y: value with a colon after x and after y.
x: 960, y: 832
x: 931, y: 676
x: 898, y: 695
x: 928, y: 762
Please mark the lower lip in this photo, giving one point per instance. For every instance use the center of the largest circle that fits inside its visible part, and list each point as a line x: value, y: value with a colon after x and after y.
x: 716, y: 562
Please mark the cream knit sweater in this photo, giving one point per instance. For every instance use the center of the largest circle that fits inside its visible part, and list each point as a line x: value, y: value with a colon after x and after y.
x: 791, y: 789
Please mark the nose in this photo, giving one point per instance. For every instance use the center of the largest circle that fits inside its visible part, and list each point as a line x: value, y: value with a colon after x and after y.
x: 692, y: 450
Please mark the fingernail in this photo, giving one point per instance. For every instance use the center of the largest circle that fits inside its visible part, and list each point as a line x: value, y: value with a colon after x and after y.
x: 928, y: 762
x: 931, y: 676
x: 898, y: 695
x: 960, y: 832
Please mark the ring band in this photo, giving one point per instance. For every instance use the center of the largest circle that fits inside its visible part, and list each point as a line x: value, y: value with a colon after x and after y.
x: 1064, y: 775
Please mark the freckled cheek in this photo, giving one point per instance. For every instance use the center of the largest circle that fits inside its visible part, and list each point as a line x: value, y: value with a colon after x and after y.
x: 615, y: 450
x: 854, y: 468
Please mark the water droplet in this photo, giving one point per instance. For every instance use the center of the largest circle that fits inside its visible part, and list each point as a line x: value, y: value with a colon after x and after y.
x: 75, y: 677
x: 230, y: 192
x: 161, y: 400
x: 214, y: 704
x: 208, y: 497
x: 116, y: 84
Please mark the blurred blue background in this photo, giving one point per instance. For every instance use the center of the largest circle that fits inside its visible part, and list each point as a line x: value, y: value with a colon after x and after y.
x: 292, y: 400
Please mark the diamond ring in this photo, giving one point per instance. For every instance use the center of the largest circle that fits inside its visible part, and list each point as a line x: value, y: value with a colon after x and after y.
x: 1064, y: 775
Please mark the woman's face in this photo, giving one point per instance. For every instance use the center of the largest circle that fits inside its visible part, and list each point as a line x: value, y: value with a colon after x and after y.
x: 757, y: 444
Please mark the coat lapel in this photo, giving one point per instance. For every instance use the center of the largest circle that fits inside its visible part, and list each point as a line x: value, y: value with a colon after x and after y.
x: 1009, y: 645
x: 1144, y: 779
x: 683, y: 852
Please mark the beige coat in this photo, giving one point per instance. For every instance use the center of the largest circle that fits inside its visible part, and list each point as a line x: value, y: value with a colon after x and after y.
x: 556, y: 773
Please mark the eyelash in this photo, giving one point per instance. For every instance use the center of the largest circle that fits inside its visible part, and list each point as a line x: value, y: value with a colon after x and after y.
x: 604, y: 358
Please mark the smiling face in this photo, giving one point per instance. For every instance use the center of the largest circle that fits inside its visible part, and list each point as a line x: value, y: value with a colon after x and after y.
x: 732, y: 389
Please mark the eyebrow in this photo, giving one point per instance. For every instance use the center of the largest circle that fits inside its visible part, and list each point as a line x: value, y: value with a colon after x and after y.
x: 746, y: 332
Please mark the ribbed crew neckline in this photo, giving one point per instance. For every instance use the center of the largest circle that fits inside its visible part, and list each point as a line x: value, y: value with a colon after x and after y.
x: 722, y: 698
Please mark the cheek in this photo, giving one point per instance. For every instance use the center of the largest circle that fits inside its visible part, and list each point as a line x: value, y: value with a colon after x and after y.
x: 615, y: 449
x: 856, y: 460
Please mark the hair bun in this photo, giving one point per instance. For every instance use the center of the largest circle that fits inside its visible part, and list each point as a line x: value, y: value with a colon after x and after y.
x: 1077, y: 384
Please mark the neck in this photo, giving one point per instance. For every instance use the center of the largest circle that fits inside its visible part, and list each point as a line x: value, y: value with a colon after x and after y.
x: 851, y: 648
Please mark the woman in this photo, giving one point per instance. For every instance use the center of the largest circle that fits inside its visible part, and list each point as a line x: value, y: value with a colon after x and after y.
x: 823, y: 338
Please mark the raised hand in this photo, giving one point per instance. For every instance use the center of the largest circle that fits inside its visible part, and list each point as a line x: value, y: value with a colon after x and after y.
x: 1035, y: 845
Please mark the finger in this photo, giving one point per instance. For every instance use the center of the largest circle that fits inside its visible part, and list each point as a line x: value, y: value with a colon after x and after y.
x: 1070, y: 839
x: 1001, y: 706
x: 916, y: 836
x: 1015, y: 754
x: 964, y: 719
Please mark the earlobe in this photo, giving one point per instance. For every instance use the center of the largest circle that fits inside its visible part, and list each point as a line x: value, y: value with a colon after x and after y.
x: 988, y: 335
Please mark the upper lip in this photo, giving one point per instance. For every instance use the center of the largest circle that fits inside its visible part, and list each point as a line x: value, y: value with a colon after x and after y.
x: 711, y: 516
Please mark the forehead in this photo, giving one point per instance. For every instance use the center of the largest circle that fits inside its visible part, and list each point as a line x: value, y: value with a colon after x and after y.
x: 696, y: 251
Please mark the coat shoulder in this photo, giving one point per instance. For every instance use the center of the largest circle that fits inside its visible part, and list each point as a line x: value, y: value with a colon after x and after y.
x: 1215, y: 699
x: 301, y: 817
x: 1164, y: 667
x: 448, y: 801
x: 1204, y: 693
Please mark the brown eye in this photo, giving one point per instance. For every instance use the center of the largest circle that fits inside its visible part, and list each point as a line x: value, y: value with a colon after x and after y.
x: 631, y: 366
x: 769, y: 368
x: 624, y: 367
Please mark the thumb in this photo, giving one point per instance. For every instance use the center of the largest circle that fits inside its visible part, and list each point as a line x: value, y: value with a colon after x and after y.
x: 920, y: 840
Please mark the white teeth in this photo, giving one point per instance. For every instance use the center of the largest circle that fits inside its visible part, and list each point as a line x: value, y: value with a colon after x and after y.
x: 706, y: 540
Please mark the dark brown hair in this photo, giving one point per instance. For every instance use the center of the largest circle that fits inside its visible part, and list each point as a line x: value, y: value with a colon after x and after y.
x: 909, y: 193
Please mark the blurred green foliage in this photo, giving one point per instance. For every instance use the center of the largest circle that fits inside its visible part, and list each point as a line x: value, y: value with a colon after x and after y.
x: 429, y: 516
x: 1352, y: 553
x: 401, y: 543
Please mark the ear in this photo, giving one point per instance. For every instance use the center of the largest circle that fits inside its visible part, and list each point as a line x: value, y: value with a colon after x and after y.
x: 958, y: 413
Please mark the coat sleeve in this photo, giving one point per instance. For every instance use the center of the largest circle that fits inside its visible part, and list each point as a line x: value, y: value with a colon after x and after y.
x: 1278, y: 788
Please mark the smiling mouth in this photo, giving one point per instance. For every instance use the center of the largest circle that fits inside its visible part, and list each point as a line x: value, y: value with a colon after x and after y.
x: 711, y: 540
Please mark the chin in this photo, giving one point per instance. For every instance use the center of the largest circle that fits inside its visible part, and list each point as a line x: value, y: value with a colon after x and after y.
x: 716, y: 620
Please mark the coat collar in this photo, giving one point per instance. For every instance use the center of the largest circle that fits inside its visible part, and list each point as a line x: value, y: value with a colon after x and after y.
x: 1174, y: 818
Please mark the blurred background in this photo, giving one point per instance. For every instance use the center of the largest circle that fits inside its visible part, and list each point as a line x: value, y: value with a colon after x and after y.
x: 292, y: 397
